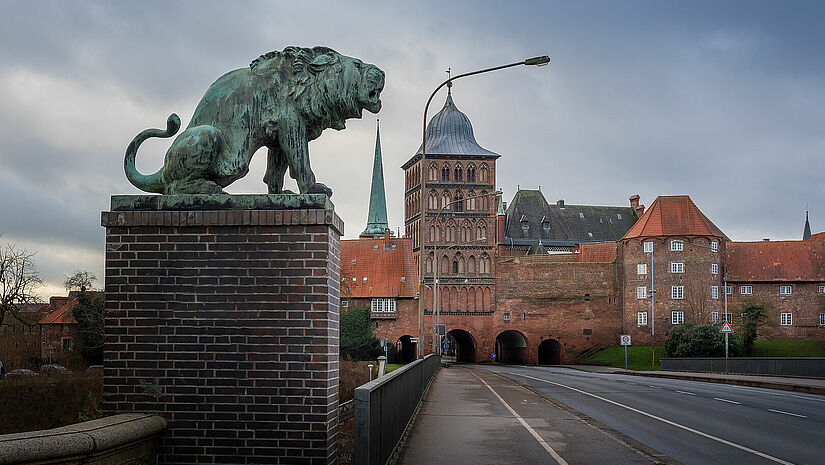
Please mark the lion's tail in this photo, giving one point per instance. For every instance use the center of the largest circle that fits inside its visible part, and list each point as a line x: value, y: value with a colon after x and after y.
x: 152, y: 182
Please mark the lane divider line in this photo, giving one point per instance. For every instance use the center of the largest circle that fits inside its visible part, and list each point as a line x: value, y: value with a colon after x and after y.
x: 728, y: 401
x: 787, y: 413
x: 685, y: 392
x: 807, y: 398
x: 663, y: 420
x: 533, y: 432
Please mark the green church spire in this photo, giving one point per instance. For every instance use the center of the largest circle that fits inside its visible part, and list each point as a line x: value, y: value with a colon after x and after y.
x: 377, y: 216
x: 806, y: 232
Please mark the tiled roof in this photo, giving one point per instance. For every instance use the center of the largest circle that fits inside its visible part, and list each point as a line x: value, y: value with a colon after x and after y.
x: 673, y: 215
x: 378, y: 268
x: 776, y: 261
x: 817, y: 237
x: 61, y: 316
x: 557, y: 223
x: 602, y: 252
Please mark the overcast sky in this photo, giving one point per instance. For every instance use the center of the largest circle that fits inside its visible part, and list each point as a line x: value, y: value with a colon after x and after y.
x: 724, y: 101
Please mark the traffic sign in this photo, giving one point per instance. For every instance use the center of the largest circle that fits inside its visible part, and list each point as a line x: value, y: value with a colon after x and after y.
x: 442, y: 330
x: 726, y: 328
x: 624, y: 339
x: 494, y: 355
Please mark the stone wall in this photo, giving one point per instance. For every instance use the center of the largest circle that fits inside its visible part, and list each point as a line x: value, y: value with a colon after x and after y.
x: 805, y: 304
x: 224, y: 320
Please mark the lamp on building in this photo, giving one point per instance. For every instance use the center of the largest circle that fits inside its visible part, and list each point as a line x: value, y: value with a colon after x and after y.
x: 535, y: 61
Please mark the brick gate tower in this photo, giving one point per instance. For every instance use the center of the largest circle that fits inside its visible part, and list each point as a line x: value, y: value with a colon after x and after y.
x: 460, y: 217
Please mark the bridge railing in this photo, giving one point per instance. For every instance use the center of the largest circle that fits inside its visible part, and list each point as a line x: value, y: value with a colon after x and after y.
x: 385, y: 406
x: 789, y: 366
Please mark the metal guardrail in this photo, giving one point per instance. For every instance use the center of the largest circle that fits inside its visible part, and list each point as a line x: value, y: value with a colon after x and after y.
x: 788, y: 366
x: 384, y: 408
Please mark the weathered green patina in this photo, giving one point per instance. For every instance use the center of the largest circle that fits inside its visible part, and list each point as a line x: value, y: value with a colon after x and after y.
x: 221, y: 202
x: 377, y: 215
x: 283, y: 100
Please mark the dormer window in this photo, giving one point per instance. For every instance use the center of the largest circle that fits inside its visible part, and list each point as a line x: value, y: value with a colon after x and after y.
x: 545, y: 223
x: 581, y: 215
x: 525, y: 225
x: 619, y: 215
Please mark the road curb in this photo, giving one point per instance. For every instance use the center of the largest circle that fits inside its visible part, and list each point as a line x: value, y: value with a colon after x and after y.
x: 734, y: 381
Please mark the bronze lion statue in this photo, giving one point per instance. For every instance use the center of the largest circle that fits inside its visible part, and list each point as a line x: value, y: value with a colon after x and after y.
x: 283, y: 100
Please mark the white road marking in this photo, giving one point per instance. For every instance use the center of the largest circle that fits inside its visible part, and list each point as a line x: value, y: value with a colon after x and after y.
x: 533, y: 432
x: 728, y: 401
x: 807, y: 398
x: 654, y: 387
x: 787, y: 413
x: 663, y: 420
x: 685, y: 392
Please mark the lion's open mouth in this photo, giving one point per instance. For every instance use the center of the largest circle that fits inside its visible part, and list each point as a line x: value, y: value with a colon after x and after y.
x: 374, y: 82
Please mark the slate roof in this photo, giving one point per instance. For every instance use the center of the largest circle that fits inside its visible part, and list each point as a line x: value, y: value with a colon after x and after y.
x: 673, y: 215
x: 450, y: 132
x: 566, y: 225
x: 61, y: 316
x: 775, y: 261
x: 386, y: 263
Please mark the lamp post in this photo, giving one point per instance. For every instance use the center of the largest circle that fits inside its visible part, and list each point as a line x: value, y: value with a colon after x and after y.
x: 535, y: 61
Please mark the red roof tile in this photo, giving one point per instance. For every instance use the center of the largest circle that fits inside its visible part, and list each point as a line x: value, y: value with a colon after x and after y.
x: 776, y: 261
x: 62, y: 315
x: 389, y: 268
x: 600, y: 252
x: 673, y: 215
x: 817, y: 237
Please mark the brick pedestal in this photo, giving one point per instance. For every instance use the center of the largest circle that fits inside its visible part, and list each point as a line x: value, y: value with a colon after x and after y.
x: 222, y: 317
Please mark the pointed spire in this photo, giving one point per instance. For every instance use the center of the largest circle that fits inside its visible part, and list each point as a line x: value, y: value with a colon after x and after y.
x: 377, y: 216
x: 806, y: 233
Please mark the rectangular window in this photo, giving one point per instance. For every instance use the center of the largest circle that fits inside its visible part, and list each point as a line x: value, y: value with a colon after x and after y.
x: 728, y: 290
x: 677, y: 292
x: 746, y: 290
x: 728, y: 317
x: 641, y: 318
x: 714, y: 317
x: 506, y: 317
x: 714, y: 268
x: 67, y: 345
x: 822, y: 319
x: 714, y: 292
x: 677, y: 245
x: 714, y: 246
x: 641, y: 292
x: 677, y: 267
x: 821, y: 289
x: 641, y: 268
x: 785, y: 290
x: 648, y: 247
x: 785, y: 319
x: 677, y: 318
x: 383, y: 305
x: 345, y: 303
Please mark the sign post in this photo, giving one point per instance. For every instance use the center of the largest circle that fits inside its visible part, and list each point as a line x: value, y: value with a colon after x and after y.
x: 726, y: 329
x: 624, y: 340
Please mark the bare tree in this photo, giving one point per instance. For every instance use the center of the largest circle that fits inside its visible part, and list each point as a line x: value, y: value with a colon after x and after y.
x: 19, y: 280
x: 81, y: 281
x: 699, y: 300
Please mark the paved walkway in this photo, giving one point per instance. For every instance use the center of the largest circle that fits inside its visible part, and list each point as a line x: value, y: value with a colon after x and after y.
x: 809, y: 385
x: 471, y: 416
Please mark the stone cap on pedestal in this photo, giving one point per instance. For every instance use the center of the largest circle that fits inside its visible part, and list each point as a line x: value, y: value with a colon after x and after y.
x: 221, y: 210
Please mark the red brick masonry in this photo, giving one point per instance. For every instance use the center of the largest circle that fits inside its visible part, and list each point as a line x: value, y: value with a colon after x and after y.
x: 225, y: 322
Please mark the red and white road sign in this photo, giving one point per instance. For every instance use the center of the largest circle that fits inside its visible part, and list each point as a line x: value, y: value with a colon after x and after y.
x: 726, y: 328
x: 624, y: 339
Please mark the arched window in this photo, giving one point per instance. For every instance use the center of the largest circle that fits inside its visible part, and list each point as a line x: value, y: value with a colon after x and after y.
x: 471, y: 173
x: 481, y: 231
x: 445, y: 173
x: 433, y: 173
x: 458, y: 204
x: 471, y: 265
x: 462, y: 264
x: 471, y: 201
x: 445, y: 200
x: 482, y: 202
x: 429, y: 264
x: 432, y: 201
x: 457, y: 173
x: 462, y: 304
x: 465, y: 232
x: 484, y: 174
x: 445, y: 265
x: 451, y: 232
x: 455, y: 266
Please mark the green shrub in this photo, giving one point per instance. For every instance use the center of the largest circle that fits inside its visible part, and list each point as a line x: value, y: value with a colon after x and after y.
x: 690, y: 340
x: 357, y: 341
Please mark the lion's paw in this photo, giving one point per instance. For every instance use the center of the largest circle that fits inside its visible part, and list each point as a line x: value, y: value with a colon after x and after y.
x: 319, y: 188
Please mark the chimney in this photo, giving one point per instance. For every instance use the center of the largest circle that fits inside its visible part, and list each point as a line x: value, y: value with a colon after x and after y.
x: 640, y: 210
x: 560, y: 203
x: 634, y: 201
x: 386, y: 238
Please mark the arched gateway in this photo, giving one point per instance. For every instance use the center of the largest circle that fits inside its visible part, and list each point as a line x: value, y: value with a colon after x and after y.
x: 406, y: 349
x: 461, y: 345
x: 511, y: 347
x: 549, y: 352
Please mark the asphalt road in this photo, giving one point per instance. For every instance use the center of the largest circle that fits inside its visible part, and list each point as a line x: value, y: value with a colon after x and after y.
x: 692, y: 422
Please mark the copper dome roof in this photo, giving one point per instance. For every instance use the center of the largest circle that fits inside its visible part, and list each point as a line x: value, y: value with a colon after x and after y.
x: 451, y: 133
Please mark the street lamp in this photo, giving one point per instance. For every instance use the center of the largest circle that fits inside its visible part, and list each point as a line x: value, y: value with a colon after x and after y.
x: 535, y: 61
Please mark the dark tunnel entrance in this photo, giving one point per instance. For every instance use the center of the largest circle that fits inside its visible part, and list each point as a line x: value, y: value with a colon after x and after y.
x: 461, y: 345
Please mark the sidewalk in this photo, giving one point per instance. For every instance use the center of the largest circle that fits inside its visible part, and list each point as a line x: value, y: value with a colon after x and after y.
x: 474, y: 417
x: 809, y: 385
